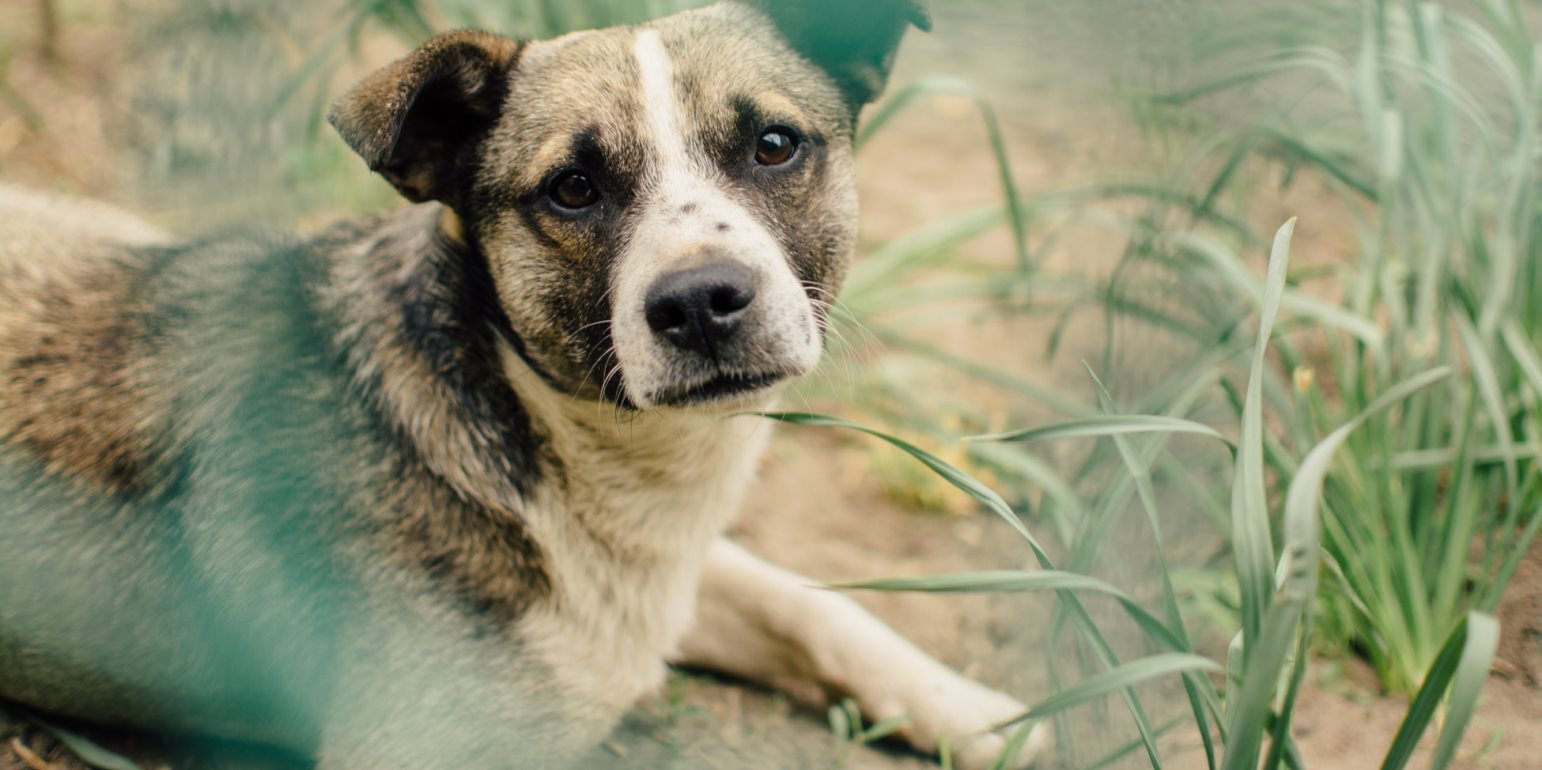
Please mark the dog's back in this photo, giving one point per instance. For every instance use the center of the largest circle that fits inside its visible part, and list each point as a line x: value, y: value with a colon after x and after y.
x: 38, y: 229
x: 97, y: 617
x: 192, y: 481
x: 121, y: 451
x: 70, y: 342
x: 72, y: 433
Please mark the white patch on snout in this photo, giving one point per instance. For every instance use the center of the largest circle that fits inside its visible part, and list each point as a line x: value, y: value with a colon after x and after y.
x: 685, y: 213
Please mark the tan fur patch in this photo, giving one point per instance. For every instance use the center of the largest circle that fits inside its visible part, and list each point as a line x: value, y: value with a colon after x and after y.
x: 70, y: 363
x: 70, y: 337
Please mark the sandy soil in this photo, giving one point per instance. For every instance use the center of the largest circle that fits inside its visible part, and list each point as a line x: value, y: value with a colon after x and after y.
x: 818, y: 508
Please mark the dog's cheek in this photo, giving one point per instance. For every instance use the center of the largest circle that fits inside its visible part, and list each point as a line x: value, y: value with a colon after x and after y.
x: 523, y: 276
x: 555, y: 294
x: 817, y: 222
x: 581, y: 303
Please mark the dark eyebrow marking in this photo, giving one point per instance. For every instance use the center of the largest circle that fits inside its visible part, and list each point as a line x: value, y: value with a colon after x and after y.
x: 586, y: 151
x: 751, y: 116
x: 747, y: 115
x: 730, y: 142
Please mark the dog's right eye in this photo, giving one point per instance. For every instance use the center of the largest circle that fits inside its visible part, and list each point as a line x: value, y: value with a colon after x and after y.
x: 776, y: 147
x: 574, y: 191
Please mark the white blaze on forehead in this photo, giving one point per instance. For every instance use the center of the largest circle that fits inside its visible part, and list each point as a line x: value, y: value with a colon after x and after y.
x: 685, y: 210
x: 660, y: 105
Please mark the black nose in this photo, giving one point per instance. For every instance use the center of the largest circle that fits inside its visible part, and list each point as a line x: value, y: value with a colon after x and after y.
x: 700, y: 309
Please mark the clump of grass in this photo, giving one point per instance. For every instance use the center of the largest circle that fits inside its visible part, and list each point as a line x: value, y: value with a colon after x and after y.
x: 848, y: 727
x: 1243, y: 710
x: 1424, y: 129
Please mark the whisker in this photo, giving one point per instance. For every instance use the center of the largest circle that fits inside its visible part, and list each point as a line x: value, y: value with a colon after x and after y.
x: 609, y: 353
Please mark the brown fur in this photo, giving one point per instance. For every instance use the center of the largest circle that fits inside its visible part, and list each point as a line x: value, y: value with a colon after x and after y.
x: 72, y: 388
x: 459, y: 485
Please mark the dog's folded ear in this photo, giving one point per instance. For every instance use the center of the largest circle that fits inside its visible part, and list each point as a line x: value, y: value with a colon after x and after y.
x: 853, y: 40
x: 418, y: 121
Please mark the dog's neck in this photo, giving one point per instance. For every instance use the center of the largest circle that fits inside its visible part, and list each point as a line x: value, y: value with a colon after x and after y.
x: 420, y: 340
x: 677, y: 475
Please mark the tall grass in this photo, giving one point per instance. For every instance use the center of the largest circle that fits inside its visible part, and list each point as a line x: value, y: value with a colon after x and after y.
x: 1242, y: 711
x: 1403, y: 551
x: 1423, y: 128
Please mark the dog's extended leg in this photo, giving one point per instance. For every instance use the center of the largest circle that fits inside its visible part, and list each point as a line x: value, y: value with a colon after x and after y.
x: 765, y: 624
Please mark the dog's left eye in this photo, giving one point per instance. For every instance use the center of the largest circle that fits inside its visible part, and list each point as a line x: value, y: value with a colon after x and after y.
x: 574, y: 191
x: 776, y: 147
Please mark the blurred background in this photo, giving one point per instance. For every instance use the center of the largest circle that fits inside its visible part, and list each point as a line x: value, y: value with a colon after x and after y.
x: 1068, y: 217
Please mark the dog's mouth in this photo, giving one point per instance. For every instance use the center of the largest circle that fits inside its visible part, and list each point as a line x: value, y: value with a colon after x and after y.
x: 719, y: 388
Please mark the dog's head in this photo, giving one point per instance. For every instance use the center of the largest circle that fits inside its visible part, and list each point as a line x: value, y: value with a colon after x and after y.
x: 665, y: 210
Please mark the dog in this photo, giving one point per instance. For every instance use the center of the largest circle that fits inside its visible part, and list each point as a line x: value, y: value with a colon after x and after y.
x: 447, y: 488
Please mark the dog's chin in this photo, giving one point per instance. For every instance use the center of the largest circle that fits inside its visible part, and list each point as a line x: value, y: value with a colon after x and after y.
x: 722, y: 392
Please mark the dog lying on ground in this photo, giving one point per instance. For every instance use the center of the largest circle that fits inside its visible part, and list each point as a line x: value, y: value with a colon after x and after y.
x: 446, y: 488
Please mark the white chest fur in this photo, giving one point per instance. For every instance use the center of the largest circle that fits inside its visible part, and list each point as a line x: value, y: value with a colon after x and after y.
x: 625, y: 532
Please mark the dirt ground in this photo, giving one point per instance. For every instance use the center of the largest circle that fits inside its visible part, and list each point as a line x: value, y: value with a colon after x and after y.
x: 818, y: 509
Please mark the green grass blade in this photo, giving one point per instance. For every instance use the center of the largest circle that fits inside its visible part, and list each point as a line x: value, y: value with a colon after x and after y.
x: 1114, y: 680
x: 84, y: 748
x: 1060, y: 498
x: 839, y: 722
x: 1486, y: 377
x: 958, y: 478
x: 1140, y: 470
x: 1018, y: 581
x: 1301, y: 522
x: 1520, y: 347
x: 996, y: 581
x: 1226, y: 266
x: 1518, y: 549
x: 1461, y: 667
x: 1015, y: 744
x: 1280, y: 742
x: 915, y: 249
x: 1252, y: 544
x: 885, y: 728
x: 1264, y: 656
x: 1425, y: 704
x: 1471, y: 674
x: 1106, y: 426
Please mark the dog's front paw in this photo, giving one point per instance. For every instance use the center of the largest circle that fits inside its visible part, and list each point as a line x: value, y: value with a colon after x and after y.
x: 966, y: 714
x: 980, y: 752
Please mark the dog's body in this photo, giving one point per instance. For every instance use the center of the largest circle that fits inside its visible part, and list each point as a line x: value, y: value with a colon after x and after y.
x: 445, y: 489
